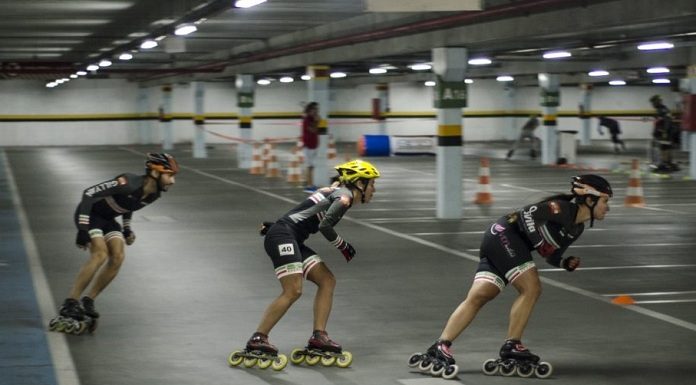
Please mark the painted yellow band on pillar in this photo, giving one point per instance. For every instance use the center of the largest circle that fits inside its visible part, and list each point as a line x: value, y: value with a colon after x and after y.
x: 449, y: 130
x: 245, y: 119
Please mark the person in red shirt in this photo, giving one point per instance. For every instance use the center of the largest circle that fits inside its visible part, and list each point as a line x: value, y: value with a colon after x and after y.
x: 310, y: 138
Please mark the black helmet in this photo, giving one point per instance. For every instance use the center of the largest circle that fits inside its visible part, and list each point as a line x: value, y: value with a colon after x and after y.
x: 656, y: 99
x: 590, y: 184
x: 162, y: 162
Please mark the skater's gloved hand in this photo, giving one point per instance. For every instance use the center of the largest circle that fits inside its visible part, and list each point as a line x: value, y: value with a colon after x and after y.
x: 264, y: 228
x: 83, y: 239
x: 570, y: 263
x: 546, y: 249
x: 347, y: 250
x: 129, y: 235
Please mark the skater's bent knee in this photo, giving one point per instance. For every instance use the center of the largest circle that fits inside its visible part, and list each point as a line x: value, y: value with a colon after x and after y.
x: 116, y: 259
x: 292, y: 294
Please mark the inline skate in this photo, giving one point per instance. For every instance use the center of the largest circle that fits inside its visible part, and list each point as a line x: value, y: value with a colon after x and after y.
x: 321, y: 348
x: 437, y: 360
x: 71, y: 319
x: 515, y: 359
x: 259, y: 352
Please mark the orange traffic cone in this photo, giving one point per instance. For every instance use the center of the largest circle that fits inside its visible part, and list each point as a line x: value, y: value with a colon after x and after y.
x: 623, y: 300
x: 266, y: 154
x: 331, y: 150
x: 256, y: 161
x: 272, y: 170
x: 634, y: 191
x: 294, y: 174
x: 483, y: 196
x: 299, y: 151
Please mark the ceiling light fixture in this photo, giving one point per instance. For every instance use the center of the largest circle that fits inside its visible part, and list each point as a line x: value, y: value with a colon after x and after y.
x: 655, y: 46
x: 420, y: 67
x: 429, y: 83
x: 658, y: 70
x: 598, y: 73
x: 305, y: 77
x: 147, y: 44
x: 81, y: 73
x: 125, y: 56
x: 338, y: 75
x: 286, y: 79
x: 185, y: 29
x: 377, y: 71
x: 617, y: 83
x: 661, y: 81
x: 104, y: 63
x: 247, y: 3
x: 481, y: 61
x: 469, y: 81
x: 263, y: 82
x: 504, y: 78
x: 92, y: 67
x: 556, y: 54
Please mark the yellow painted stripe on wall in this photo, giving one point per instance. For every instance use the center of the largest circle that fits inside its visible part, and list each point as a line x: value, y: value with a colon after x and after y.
x: 449, y: 130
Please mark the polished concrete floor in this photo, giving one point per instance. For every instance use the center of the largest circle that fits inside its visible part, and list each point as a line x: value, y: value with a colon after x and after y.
x: 196, y: 281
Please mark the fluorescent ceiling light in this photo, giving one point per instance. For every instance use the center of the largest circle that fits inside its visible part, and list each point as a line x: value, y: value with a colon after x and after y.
x: 81, y: 73
x: 377, y: 71
x: 247, y: 3
x: 73, y: 76
x: 617, y: 83
x: 481, y: 61
x: 658, y: 70
x: 661, y: 81
x: 429, y: 83
x: 505, y: 78
x: 263, y: 82
x: 51, y: 84
x: 336, y: 75
x: 305, y: 77
x: 655, y: 45
x: 147, y: 44
x: 104, y: 63
x: 185, y: 29
x: 92, y: 67
x: 420, y: 67
x: 286, y: 79
x: 556, y: 54
x: 598, y: 73
x: 469, y: 81
x: 125, y: 56
x: 160, y: 37
x: 137, y: 34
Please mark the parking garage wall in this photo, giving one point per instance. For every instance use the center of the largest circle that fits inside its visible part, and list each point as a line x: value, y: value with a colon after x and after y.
x: 97, y: 112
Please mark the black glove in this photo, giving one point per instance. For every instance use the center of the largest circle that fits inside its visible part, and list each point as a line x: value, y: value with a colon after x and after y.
x: 129, y: 235
x: 570, y: 263
x: 546, y: 249
x: 265, y: 226
x: 347, y: 250
x: 83, y: 238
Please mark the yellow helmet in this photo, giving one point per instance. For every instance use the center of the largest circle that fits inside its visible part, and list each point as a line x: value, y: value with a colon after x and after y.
x: 352, y: 171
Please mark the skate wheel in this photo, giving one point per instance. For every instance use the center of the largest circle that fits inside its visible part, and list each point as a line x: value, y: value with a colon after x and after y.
x: 249, y: 362
x: 450, y: 372
x: 70, y: 328
x: 312, y: 359
x: 328, y: 360
x: 344, y: 360
x: 490, y: 367
x: 437, y: 369
x: 297, y: 356
x: 525, y: 370
x: 60, y: 326
x: 80, y: 328
x: 425, y: 365
x: 544, y: 370
x: 280, y: 362
x: 415, y: 360
x: 264, y: 363
x: 508, y: 368
x: 235, y: 358
x: 53, y: 324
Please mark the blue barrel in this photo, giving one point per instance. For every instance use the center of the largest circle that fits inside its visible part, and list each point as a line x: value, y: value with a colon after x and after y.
x: 374, y: 145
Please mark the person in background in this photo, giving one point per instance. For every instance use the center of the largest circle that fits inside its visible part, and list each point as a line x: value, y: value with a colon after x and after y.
x: 527, y: 134
x: 310, y: 139
x: 614, y: 130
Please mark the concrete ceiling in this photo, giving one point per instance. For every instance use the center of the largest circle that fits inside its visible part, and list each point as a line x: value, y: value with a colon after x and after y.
x: 49, y: 39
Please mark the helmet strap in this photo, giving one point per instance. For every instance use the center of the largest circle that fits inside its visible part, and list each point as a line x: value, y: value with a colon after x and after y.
x: 591, y: 207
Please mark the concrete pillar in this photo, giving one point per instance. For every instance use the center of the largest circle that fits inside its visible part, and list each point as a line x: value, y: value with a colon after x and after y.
x: 245, y: 102
x: 145, y: 134
x: 199, y: 150
x: 585, y: 110
x: 550, y: 100
x: 166, y: 119
x: 688, y: 87
x: 383, y: 95
x: 318, y: 90
x: 449, y: 64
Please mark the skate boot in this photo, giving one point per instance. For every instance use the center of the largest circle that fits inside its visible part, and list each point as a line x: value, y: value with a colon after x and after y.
x: 70, y: 318
x: 515, y: 359
x: 258, y: 351
x: 88, y: 306
x: 437, y: 360
x: 321, y: 348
